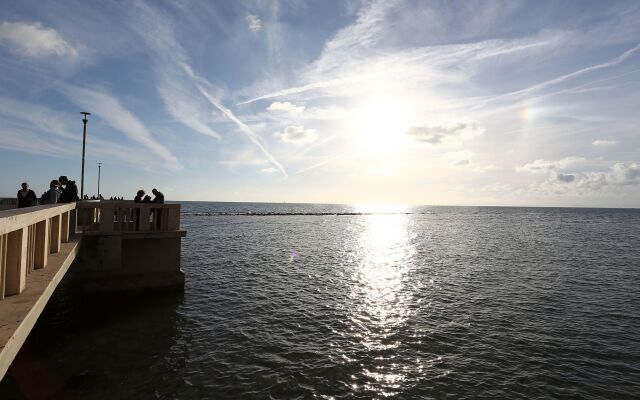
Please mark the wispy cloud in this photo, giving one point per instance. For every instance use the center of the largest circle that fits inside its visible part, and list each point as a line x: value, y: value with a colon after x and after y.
x: 178, y: 93
x: 35, y: 116
x: 109, y: 109
x: 244, y: 128
x: 27, y: 141
x: 35, y: 40
x: 548, y: 165
x: 37, y: 129
x: 522, y: 93
x: 158, y: 33
x: 183, y: 104
x: 305, y: 88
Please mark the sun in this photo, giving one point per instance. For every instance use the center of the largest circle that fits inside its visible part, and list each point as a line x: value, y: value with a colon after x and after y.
x: 380, y: 125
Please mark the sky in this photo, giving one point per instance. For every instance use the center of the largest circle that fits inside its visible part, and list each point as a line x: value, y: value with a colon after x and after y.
x: 514, y: 103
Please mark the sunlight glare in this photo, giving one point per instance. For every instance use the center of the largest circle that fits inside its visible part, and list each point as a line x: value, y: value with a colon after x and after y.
x: 380, y: 125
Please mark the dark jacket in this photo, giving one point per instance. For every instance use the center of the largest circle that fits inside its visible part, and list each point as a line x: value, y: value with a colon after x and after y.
x: 70, y: 193
x: 29, y: 200
x: 51, y: 196
x: 159, y: 198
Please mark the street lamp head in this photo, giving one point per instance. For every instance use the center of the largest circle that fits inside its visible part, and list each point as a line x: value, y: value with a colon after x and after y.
x: 85, y: 113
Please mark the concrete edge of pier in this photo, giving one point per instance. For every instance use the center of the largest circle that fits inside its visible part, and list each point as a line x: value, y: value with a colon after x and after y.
x: 18, y: 314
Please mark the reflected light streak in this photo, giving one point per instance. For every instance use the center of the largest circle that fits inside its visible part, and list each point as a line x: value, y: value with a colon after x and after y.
x: 380, y: 294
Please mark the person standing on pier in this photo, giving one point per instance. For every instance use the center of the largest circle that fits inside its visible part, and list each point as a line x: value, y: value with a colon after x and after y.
x: 26, y: 196
x: 70, y: 192
x: 159, y: 197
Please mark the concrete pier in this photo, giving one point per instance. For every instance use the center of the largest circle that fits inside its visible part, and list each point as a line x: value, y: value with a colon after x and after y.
x: 113, y: 246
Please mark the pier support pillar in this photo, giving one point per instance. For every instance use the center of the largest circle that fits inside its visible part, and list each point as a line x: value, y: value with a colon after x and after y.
x: 16, y: 264
x: 42, y: 244
x: 56, y: 234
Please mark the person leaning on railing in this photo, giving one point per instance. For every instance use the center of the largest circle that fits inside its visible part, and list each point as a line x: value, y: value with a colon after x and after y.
x: 159, y: 197
x: 26, y: 196
x: 52, y: 195
x: 139, y: 196
x: 70, y: 192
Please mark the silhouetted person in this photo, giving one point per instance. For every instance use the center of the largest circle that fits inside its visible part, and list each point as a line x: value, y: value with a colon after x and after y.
x: 26, y: 196
x: 70, y: 192
x: 52, y: 195
x: 139, y: 196
x: 159, y: 197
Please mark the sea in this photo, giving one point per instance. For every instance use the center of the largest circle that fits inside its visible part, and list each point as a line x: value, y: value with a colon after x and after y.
x: 315, y: 301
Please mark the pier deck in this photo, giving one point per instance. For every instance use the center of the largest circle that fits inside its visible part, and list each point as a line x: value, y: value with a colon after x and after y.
x: 116, y: 246
x: 18, y: 314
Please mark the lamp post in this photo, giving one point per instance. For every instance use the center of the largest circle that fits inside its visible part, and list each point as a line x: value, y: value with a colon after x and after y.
x: 99, y: 166
x: 84, y: 141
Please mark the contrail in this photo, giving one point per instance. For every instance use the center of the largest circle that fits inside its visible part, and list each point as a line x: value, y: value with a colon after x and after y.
x: 306, y: 88
x: 613, y: 62
x: 365, y: 77
x: 562, y: 78
x: 244, y: 128
x: 320, y: 164
x: 229, y: 114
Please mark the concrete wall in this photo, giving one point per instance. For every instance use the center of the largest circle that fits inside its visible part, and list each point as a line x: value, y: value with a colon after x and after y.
x: 131, y: 262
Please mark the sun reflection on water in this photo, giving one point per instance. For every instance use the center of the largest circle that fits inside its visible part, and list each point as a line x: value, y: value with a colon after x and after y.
x: 381, y: 297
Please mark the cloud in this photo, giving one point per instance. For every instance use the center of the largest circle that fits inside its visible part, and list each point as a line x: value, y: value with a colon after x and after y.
x: 619, y: 176
x: 268, y: 170
x: 29, y: 142
x: 297, y: 135
x: 182, y: 104
x: 180, y: 97
x: 462, y: 162
x: 253, y: 22
x: 566, y: 177
x: 285, y: 107
x: 363, y: 53
x: 440, y: 134
x: 173, y: 63
x: 111, y: 111
x: 611, y: 63
x: 546, y: 165
x: 243, y: 128
x: 603, y: 143
x: 34, y: 116
x: 33, y: 128
x: 624, y: 174
x: 311, y: 86
x: 34, y: 40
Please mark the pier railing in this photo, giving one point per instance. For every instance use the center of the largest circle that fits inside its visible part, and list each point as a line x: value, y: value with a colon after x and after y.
x: 127, y: 216
x: 27, y: 237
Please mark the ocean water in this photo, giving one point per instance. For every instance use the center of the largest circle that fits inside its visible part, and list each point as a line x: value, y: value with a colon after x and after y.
x: 297, y: 301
